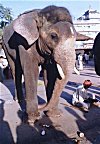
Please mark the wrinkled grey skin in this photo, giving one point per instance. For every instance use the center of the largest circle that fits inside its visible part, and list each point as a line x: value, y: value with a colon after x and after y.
x: 96, y: 50
x: 43, y: 38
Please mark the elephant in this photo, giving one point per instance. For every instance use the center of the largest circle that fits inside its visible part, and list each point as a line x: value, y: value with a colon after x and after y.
x: 96, y: 52
x: 45, y: 38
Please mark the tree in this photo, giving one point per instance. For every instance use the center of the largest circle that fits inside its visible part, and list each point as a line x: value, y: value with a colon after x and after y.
x: 1, y: 11
x: 5, y: 16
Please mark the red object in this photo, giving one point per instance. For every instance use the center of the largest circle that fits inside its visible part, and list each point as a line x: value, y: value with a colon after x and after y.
x: 87, y: 83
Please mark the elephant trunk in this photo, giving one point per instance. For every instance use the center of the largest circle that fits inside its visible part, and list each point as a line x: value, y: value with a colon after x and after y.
x: 61, y: 73
x: 65, y: 57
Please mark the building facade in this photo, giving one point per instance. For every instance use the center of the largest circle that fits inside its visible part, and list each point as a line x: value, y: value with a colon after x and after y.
x: 88, y: 24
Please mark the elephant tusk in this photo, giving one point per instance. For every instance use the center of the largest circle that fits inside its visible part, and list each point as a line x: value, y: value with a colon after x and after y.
x: 60, y: 71
x: 72, y: 31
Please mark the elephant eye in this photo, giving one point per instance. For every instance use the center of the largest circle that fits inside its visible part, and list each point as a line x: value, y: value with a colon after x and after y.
x: 54, y: 37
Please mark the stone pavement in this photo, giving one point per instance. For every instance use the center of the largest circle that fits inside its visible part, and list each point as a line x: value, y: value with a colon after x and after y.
x: 59, y: 130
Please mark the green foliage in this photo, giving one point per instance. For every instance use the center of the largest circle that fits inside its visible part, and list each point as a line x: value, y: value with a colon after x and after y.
x: 5, y: 15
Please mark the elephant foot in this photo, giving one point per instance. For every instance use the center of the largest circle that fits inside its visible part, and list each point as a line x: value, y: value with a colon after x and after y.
x: 30, y: 118
x: 53, y: 113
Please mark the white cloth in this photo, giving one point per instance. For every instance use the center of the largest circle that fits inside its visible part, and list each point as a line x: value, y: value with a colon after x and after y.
x: 3, y: 63
x: 80, y: 58
x: 76, y: 71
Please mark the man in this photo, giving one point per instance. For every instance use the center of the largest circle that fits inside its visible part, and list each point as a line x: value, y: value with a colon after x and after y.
x: 81, y: 97
x: 80, y: 61
x: 86, y: 58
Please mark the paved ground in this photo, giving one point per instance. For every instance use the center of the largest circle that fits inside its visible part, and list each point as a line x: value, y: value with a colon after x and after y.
x: 61, y: 130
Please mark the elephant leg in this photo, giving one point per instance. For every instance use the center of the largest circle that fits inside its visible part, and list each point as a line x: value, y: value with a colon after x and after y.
x: 17, y: 75
x: 12, y: 66
x: 18, y: 84
x: 31, y: 78
x: 20, y: 97
x: 53, y: 89
x: 31, y: 73
x: 51, y: 108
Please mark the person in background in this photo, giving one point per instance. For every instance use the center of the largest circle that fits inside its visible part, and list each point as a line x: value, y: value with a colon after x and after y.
x: 86, y: 56
x: 81, y: 97
x: 3, y: 65
x: 80, y: 61
x: 76, y: 65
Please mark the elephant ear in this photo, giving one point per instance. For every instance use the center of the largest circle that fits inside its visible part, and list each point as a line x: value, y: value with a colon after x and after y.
x: 26, y: 26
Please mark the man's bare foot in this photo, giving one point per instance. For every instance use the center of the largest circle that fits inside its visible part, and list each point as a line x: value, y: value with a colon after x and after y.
x: 97, y: 104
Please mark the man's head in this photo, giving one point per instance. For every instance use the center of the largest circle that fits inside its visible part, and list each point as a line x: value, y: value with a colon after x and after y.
x: 87, y: 84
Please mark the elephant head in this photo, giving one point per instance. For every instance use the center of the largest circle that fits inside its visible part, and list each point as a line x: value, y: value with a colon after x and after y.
x: 96, y: 50
x: 41, y: 37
